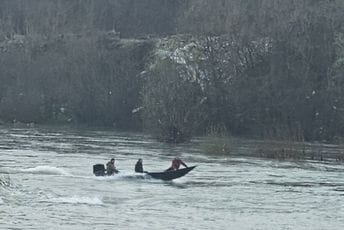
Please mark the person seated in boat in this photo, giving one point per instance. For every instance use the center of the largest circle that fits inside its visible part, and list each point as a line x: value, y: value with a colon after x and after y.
x: 139, y: 166
x: 110, y: 167
x: 176, y: 162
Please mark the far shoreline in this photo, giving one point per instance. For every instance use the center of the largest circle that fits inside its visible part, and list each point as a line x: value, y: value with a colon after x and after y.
x: 227, y: 146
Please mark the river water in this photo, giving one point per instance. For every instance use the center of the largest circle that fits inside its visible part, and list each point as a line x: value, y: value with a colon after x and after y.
x: 46, y: 182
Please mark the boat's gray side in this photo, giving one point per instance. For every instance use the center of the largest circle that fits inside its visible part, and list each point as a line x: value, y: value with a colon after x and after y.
x: 171, y: 175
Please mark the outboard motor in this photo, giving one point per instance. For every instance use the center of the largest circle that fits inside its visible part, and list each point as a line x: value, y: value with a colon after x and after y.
x: 99, y: 170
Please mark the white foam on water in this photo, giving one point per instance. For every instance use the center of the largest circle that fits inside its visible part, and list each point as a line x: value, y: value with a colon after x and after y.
x: 121, y: 176
x: 5, y: 180
x: 114, y: 177
x: 77, y: 200
x: 46, y: 170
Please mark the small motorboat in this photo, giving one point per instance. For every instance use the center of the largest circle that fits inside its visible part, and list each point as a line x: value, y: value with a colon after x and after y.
x: 99, y: 170
x: 171, y: 174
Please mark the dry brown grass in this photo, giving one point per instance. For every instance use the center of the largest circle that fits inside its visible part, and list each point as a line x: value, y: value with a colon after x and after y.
x: 217, y: 142
x: 216, y: 145
x: 281, y: 150
x: 283, y: 143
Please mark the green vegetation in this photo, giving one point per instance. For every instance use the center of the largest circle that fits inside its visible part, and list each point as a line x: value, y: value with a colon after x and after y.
x: 85, y: 80
x: 261, y: 68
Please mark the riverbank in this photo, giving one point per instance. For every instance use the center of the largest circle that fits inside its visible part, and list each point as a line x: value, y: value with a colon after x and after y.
x: 273, y: 149
x: 174, y: 86
x: 222, y: 145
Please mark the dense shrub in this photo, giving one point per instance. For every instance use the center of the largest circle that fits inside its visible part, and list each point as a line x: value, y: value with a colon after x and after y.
x: 171, y: 102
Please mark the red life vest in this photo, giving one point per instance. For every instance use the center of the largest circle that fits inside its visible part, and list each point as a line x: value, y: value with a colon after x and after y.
x: 176, y: 164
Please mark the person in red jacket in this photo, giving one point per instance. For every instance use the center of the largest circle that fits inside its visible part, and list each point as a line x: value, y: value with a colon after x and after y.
x: 176, y: 162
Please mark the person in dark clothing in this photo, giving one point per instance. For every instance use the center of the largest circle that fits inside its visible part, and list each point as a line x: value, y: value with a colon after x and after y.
x: 176, y: 162
x: 110, y: 167
x: 138, y: 166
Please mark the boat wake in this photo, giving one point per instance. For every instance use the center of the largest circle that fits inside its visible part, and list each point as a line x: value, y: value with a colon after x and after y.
x: 124, y: 176
x: 45, y: 170
x: 77, y: 200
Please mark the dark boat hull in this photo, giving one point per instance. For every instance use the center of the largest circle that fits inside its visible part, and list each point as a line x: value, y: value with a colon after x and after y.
x: 170, y: 175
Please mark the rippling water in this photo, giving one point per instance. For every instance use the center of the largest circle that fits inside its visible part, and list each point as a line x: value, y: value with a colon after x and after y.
x: 46, y: 182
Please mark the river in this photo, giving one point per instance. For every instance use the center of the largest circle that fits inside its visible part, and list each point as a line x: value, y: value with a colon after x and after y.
x: 46, y: 182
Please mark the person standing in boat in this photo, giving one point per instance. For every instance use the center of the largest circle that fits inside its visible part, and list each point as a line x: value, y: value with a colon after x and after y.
x: 139, y: 166
x: 110, y: 167
x: 176, y: 162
